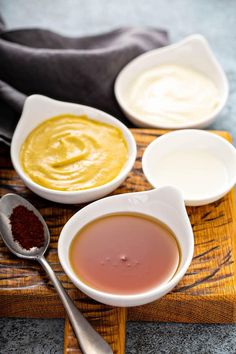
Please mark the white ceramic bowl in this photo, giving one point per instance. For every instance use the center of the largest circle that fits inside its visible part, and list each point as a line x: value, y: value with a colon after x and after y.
x: 165, y: 204
x: 191, y: 140
x: 39, y: 108
x: 193, y: 52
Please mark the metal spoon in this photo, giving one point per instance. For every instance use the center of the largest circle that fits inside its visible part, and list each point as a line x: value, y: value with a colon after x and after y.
x: 90, y: 341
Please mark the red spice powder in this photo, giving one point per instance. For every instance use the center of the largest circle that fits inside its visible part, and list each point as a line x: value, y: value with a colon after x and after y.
x: 26, y: 228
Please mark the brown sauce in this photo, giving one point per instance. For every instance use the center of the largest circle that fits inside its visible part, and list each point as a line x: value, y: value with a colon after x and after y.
x: 124, y: 253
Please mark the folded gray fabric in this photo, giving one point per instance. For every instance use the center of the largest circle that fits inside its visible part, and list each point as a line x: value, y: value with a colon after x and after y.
x: 80, y: 70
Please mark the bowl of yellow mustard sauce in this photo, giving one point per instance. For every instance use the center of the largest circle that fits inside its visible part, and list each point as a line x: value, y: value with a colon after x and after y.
x: 70, y: 153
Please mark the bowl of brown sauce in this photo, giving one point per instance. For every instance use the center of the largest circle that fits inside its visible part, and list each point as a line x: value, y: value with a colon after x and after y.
x: 128, y: 249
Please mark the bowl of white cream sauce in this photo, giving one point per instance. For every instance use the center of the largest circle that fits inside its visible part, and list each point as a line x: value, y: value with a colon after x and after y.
x: 201, y: 164
x: 178, y: 86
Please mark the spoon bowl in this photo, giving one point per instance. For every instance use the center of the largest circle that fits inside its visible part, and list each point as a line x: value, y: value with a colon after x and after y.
x: 7, y: 203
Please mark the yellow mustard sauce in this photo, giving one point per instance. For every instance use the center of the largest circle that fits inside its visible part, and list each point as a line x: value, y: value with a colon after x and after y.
x: 71, y: 153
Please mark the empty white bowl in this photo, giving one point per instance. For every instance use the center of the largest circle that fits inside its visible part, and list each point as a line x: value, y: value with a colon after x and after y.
x: 166, y: 204
x: 193, y: 52
x: 201, y: 164
x: 39, y: 108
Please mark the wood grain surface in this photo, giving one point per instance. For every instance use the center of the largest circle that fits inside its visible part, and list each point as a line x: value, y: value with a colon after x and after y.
x: 207, y: 293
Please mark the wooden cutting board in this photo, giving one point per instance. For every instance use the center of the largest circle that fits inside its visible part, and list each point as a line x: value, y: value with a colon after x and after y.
x: 206, y: 294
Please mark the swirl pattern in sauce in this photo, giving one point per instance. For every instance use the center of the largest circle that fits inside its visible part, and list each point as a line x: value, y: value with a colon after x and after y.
x: 70, y: 153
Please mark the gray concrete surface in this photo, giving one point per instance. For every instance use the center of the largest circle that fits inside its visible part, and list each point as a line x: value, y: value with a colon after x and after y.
x: 215, y: 19
x: 27, y: 336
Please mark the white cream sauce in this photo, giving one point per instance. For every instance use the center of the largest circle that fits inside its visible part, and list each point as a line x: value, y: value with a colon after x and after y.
x: 196, y: 173
x: 170, y: 94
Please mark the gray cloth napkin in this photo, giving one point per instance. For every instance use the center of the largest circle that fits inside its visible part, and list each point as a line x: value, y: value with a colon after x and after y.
x: 80, y: 70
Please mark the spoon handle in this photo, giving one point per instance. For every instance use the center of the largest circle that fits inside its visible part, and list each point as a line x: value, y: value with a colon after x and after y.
x: 90, y: 341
